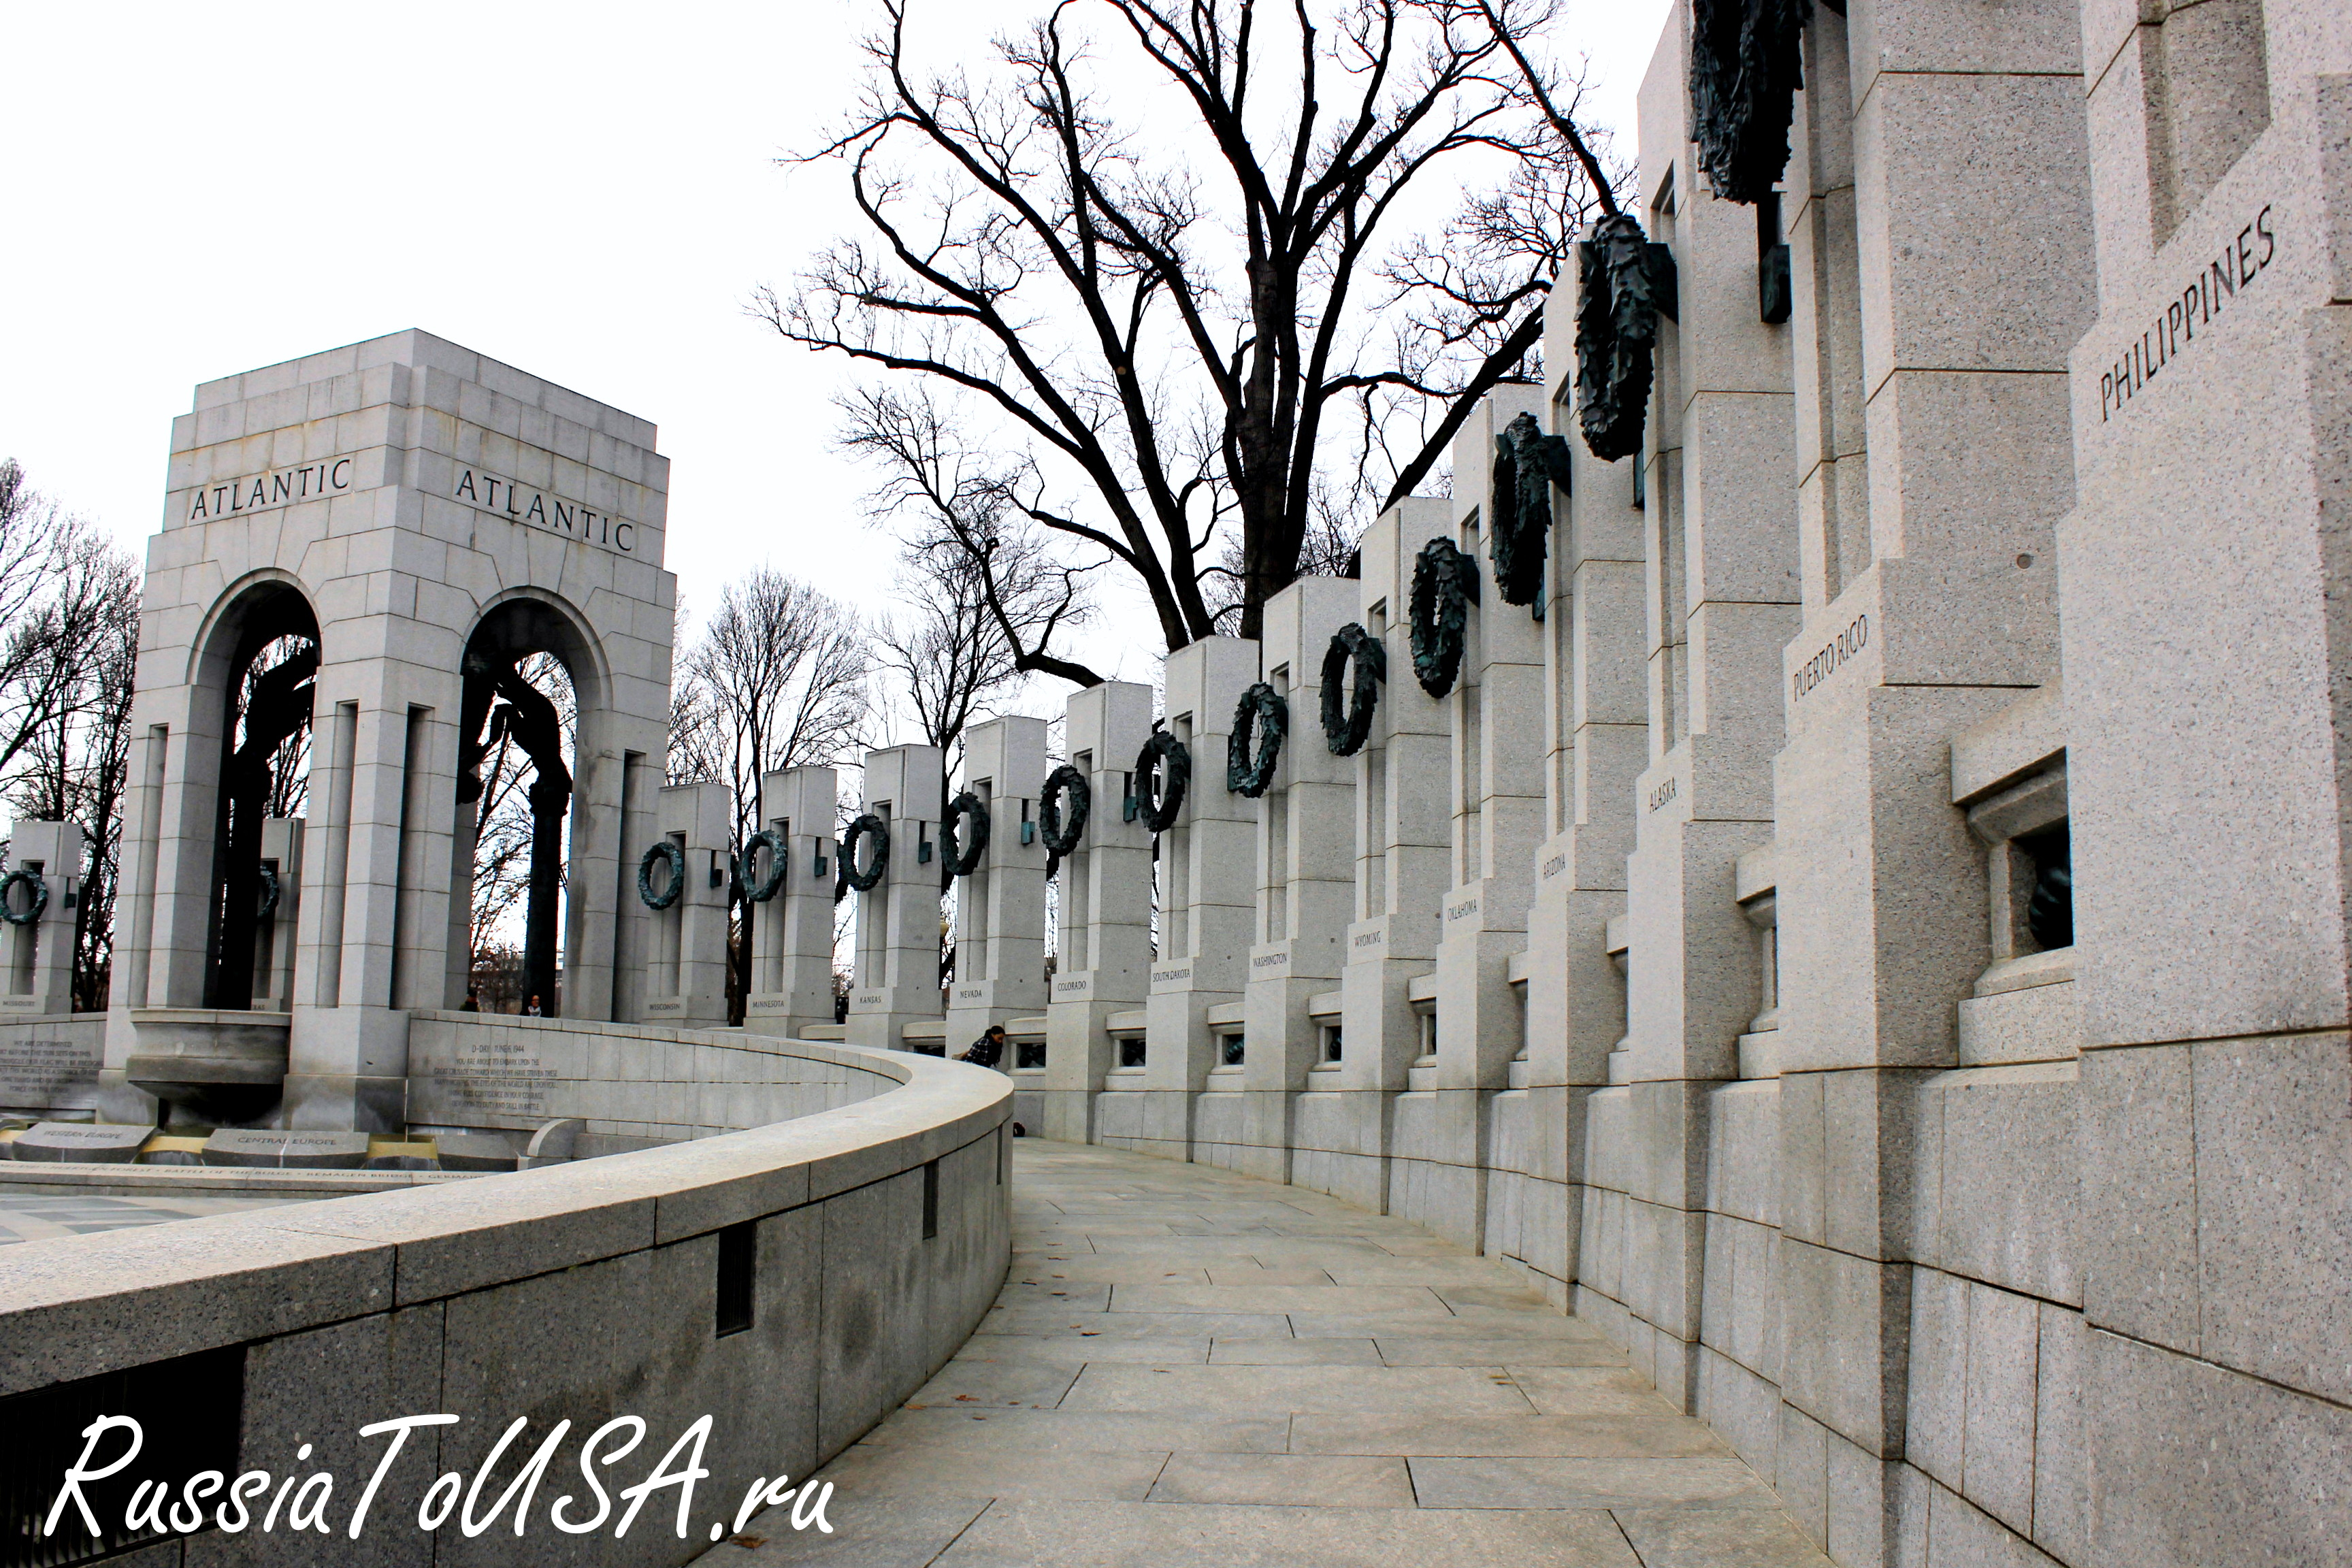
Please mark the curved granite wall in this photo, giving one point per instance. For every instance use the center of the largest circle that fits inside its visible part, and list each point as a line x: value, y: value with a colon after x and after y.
x: 634, y: 1085
x: 879, y: 1233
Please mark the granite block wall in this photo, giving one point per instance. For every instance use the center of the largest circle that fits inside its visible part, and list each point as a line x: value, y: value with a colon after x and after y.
x: 498, y: 1295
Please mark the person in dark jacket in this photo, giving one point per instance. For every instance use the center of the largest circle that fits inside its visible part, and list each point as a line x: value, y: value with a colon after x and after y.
x: 988, y: 1050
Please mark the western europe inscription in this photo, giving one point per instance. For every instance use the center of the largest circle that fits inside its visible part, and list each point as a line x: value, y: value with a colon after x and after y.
x: 491, y: 493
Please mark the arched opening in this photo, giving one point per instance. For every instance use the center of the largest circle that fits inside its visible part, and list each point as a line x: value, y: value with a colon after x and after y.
x: 265, y: 769
x: 524, y: 675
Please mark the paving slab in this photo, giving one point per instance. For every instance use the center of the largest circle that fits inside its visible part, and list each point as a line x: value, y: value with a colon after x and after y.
x: 972, y: 1380
x: 1294, y: 1353
x: 1503, y: 1436
x: 1250, y: 1271
x: 1080, y: 1433
x: 1093, y: 1268
x: 1297, y: 1390
x: 878, y: 1529
x: 1445, y: 1349
x: 1543, y: 1324
x: 1520, y: 1483
x: 1729, y: 1538
x: 1208, y: 1535
x: 1064, y: 1350
x: 1002, y: 1471
x: 1326, y: 1298
x: 1030, y: 1293
x: 1137, y: 1325
x: 1289, y: 1481
x: 1188, y: 1367
x: 1587, y: 1391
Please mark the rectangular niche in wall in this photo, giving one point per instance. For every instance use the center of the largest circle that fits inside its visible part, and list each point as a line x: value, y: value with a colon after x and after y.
x: 2205, y: 75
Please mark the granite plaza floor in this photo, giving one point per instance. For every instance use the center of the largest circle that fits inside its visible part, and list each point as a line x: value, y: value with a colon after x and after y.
x: 35, y: 1217
x: 1191, y: 1367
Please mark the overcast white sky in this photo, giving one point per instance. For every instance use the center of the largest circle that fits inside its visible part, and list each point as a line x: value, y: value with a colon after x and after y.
x: 586, y: 191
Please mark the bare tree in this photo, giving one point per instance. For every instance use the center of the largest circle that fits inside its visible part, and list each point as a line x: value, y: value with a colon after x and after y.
x: 980, y: 590
x: 69, y: 648
x: 58, y: 583
x: 1156, y: 340
x: 966, y: 535
x: 1328, y: 550
x: 777, y: 679
x: 74, y: 650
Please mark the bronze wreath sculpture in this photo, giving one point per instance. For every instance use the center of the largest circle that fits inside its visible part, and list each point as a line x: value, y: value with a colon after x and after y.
x: 1747, y: 65
x: 866, y: 825
x: 958, y: 857
x: 1616, y: 328
x: 1162, y: 769
x: 41, y: 897
x: 1060, y: 835
x: 1345, y: 730
x: 663, y: 850
x: 768, y: 886
x: 1445, y: 586
x: 1261, y: 719
x: 1527, y: 463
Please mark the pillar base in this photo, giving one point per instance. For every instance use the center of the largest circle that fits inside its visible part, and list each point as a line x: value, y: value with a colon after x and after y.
x: 345, y: 1103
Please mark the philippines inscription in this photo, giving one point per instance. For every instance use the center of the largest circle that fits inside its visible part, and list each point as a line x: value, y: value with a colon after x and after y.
x: 2213, y: 289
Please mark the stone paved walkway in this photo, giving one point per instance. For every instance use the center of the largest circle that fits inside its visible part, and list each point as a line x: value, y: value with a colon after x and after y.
x: 1191, y: 1367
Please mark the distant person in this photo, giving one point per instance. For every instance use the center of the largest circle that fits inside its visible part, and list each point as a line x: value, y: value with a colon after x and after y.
x: 988, y: 1050
x: 532, y: 1011
x: 473, y: 1002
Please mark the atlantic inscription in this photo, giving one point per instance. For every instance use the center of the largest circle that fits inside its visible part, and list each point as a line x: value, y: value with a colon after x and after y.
x: 521, y: 503
x: 278, y: 487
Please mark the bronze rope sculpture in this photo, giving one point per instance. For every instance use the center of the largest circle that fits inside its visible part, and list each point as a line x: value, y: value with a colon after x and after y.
x: 278, y: 708
x: 530, y: 722
x: 524, y: 715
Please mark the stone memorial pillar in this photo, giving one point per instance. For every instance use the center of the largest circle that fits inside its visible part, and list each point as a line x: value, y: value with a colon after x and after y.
x: 1398, y: 821
x: 1000, y: 927
x: 792, y: 930
x: 40, y: 898
x: 684, y: 890
x: 1207, y: 872
x: 2208, y: 692
x: 1595, y: 739
x: 897, y: 979
x: 1104, y: 956
x: 1721, y: 589
x: 1306, y: 854
x: 1496, y: 779
x: 1935, y: 458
